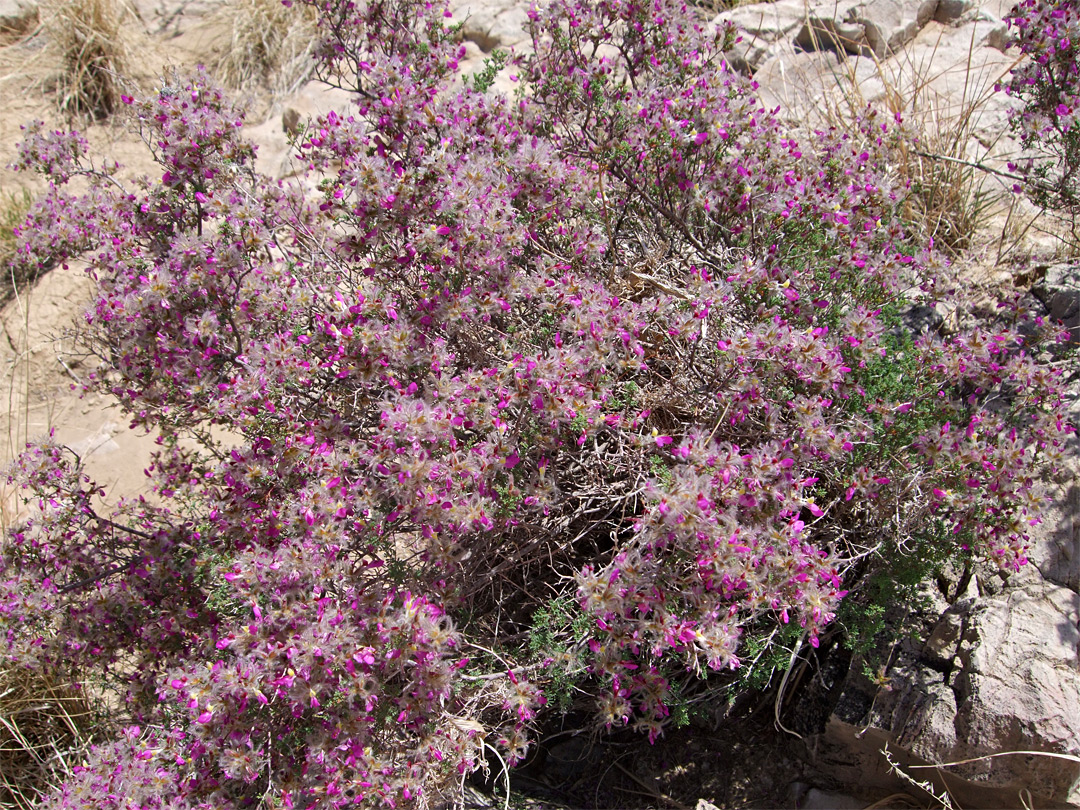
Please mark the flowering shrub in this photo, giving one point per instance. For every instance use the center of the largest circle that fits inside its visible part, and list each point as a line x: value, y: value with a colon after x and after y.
x: 621, y: 346
x: 1048, y: 83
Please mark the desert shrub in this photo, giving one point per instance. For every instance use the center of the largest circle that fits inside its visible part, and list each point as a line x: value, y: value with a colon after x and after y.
x: 1047, y: 82
x: 580, y: 395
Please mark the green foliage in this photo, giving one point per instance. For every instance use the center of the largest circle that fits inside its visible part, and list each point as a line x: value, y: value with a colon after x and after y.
x: 767, y: 650
x: 873, y: 616
x: 509, y: 499
x: 221, y: 597
x: 559, y: 630
x: 686, y: 706
x: 485, y: 78
x: 659, y: 470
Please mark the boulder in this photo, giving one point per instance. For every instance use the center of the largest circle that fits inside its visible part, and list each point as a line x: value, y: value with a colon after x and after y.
x: 805, y: 797
x: 997, y: 674
x: 890, y: 24
x: 999, y: 8
x: 761, y: 26
x: 1059, y: 292
x: 1019, y: 689
x: 1055, y: 543
x: 947, y: 77
x: 497, y: 24
x: 830, y: 34
x: 796, y: 82
x: 878, y: 27
x: 949, y: 11
x: 508, y: 28
x: 276, y: 157
x: 956, y: 40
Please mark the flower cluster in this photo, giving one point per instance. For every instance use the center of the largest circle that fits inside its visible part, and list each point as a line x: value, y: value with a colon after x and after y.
x: 126, y: 774
x: 1048, y: 83
x: 1048, y: 33
x: 624, y: 342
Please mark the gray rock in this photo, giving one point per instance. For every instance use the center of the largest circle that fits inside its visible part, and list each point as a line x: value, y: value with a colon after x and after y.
x: 1059, y: 292
x: 999, y: 8
x: 828, y: 34
x: 290, y: 122
x: 806, y: 797
x: 795, y: 81
x: 944, y: 641
x: 950, y: 11
x: 508, y: 29
x: 761, y: 26
x: 997, y: 674
x: 878, y: 27
x: 952, y: 72
x: 1020, y: 690
x: 498, y: 24
x: 890, y: 24
x: 976, y: 28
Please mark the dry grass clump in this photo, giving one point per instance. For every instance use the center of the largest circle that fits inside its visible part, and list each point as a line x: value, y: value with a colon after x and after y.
x: 953, y: 196
x: 947, y: 160
x: 45, y: 728
x: 954, y: 192
x: 13, y: 209
x: 270, y: 44
x: 93, y: 42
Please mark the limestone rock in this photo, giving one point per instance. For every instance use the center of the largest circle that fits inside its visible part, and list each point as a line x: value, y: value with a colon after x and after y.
x: 508, y: 28
x: 290, y: 122
x: 1059, y: 291
x: 949, y: 11
x: 1055, y: 543
x: 796, y: 82
x: 1020, y: 689
x: 830, y: 34
x: 275, y: 156
x: 890, y: 24
x: 499, y: 24
x: 956, y: 40
x: 997, y: 674
x: 878, y: 27
x: 761, y: 26
x: 806, y: 797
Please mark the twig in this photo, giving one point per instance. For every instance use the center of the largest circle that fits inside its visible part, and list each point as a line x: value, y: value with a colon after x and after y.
x: 67, y: 368
x: 1052, y: 754
x: 505, y: 771
x: 972, y: 164
x: 783, y: 686
x: 894, y: 766
x: 652, y: 791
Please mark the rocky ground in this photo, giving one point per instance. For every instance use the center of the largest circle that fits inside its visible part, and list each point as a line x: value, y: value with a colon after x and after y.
x: 990, y: 665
